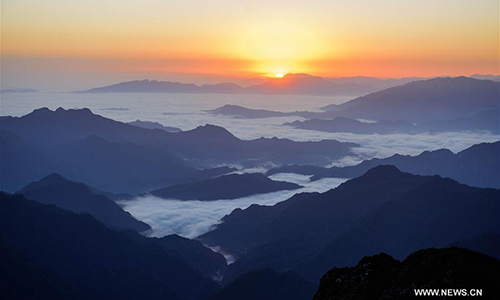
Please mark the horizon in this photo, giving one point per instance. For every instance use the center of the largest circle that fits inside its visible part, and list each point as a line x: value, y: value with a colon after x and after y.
x: 56, y: 45
x: 241, y: 82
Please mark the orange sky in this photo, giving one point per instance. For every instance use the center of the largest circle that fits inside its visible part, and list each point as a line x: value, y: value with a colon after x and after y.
x: 86, y: 42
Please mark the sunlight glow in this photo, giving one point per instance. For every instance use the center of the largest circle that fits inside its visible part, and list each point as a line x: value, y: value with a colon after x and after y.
x: 280, y: 75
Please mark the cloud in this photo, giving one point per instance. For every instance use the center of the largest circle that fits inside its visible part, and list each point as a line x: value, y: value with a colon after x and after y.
x: 193, y: 218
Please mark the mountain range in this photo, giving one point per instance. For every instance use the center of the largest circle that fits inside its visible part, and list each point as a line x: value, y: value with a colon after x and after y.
x: 74, y: 256
x: 116, y: 157
x: 475, y: 166
x: 384, y: 210
x: 423, y: 101
x: 230, y: 186
x: 290, y: 84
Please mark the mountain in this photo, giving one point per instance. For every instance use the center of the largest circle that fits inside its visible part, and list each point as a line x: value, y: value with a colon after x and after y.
x: 122, y: 158
x: 290, y: 84
x: 79, y: 198
x: 382, y: 277
x: 93, y: 261
x: 154, y: 125
x: 341, y: 124
x: 383, y: 210
x: 374, y: 84
x: 2, y: 91
x: 154, y: 86
x: 426, y: 100
x: 248, y: 113
x: 267, y: 285
x: 225, y: 187
x: 475, y: 166
x: 304, y: 84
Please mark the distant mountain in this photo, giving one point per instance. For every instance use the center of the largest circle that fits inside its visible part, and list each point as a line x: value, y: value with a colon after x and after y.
x: 267, y: 285
x: 154, y: 86
x: 383, y: 210
x: 225, y: 187
x: 475, y: 166
x: 290, y: 84
x: 382, y: 277
x: 428, y: 100
x: 373, y: 83
x: 18, y: 91
x: 341, y: 124
x: 248, y: 113
x: 304, y: 84
x: 121, y: 158
x: 322, y: 121
x: 154, y: 125
x: 79, y: 198
x: 486, y: 243
x: 93, y: 261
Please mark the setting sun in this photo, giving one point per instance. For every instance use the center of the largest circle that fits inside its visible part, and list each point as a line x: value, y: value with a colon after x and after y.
x: 280, y: 75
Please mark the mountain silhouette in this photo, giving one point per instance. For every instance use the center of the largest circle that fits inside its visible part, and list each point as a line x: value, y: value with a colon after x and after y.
x: 383, y: 210
x: 154, y: 86
x: 79, y: 198
x: 93, y: 261
x: 476, y: 166
x: 122, y: 158
x: 382, y: 277
x: 341, y: 124
x: 426, y: 100
x: 225, y: 187
x: 290, y: 84
x: 154, y: 125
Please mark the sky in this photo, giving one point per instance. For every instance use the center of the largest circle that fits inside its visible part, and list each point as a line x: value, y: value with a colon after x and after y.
x: 60, y: 44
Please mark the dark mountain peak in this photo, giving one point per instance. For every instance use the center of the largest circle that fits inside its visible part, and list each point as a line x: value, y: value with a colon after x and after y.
x: 74, y: 111
x: 40, y: 110
x: 209, y: 131
x: 443, y: 152
x: 53, y: 179
x: 387, y: 171
x: 77, y: 197
x: 46, y: 113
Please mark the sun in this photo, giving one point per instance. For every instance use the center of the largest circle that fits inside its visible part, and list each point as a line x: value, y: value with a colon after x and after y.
x: 280, y: 75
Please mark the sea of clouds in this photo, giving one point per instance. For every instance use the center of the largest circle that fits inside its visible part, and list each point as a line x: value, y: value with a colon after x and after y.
x: 193, y: 218
x: 187, y: 111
